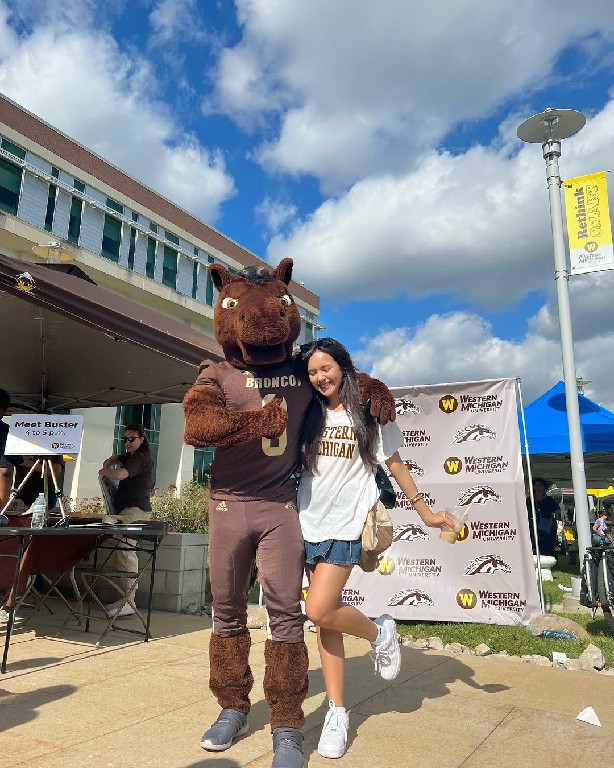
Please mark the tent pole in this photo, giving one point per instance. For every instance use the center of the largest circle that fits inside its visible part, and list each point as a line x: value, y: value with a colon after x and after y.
x: 538, y: 569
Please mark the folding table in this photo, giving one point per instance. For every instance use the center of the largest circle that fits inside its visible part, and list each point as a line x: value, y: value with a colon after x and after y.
x: 44, y: 550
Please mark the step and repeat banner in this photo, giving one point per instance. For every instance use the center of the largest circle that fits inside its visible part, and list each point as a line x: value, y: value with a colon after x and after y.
x: 461, y: 444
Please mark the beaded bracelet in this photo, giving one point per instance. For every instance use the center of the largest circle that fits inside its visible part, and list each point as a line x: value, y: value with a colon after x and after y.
x: 416, y: 497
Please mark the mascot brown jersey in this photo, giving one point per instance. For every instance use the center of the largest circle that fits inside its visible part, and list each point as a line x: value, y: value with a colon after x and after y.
x: 252, y: 407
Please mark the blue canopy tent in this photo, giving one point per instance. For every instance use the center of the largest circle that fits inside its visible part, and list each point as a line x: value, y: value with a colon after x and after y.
x: 548, y: 438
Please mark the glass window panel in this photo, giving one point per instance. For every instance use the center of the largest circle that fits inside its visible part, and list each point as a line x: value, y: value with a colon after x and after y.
x: 171, y: 237
x: 74, y: 222
x: 55, y: 172
x: 135, y: 216
x: 194, y: 279
x: 14, y: 149
x: 78, y: 185
x: 150, y: 267
x: 169, y: 268
x: 148, y: 416
x: 209, y: 293
x: 132, y: 248
x: 114, y: 205
x: 10, y: 185
x: 51, y: 198
x: 111, y: 238
x: 203, y: 459
x: 153, y: 227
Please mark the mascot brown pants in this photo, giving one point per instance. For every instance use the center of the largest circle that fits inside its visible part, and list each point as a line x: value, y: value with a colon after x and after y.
x: 269, y: 533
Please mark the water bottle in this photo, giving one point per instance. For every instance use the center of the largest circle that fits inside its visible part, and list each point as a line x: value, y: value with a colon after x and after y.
x: 39, y: 512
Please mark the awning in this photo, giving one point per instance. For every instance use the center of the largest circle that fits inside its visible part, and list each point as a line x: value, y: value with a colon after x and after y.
x: 67, y: 343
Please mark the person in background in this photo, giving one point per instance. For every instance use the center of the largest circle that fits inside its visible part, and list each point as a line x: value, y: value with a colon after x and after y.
x: 132, y: 502
x: 546, y: 509
x: 342, y: 446
x: 600, y: 528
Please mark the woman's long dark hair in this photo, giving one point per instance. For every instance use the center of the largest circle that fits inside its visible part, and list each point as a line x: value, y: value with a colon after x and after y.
x: 367, y: 432
x: 144, y: 447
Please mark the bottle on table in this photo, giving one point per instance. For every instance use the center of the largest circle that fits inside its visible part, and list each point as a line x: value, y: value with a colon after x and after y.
x: 39, y: 512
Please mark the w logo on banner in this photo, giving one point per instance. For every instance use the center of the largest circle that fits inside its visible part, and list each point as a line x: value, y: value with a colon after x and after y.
x: 453, y: 465
x: 448, y: 404
x: 466, y: 598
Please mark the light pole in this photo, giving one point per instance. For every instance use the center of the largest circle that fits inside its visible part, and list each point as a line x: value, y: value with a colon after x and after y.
x: 549, y: 128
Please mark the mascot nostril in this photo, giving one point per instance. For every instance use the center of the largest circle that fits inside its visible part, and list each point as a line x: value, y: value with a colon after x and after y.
x: 251, y: 407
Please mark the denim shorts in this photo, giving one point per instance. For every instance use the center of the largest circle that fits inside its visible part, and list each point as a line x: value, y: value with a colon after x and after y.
x: 333, y: 551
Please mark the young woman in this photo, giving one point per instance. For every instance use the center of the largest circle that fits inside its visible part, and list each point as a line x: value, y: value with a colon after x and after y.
x: 135, y: 476
x: 342, y: 446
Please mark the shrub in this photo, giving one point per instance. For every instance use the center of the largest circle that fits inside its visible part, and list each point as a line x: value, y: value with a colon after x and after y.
x: 186, y: 513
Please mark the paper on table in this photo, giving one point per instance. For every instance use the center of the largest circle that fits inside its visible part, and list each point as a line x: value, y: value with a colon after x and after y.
x: 588, y: 715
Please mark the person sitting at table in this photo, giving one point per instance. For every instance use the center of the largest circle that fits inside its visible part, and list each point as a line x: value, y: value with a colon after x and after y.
x: 599, y: 530
x: 132, y: 502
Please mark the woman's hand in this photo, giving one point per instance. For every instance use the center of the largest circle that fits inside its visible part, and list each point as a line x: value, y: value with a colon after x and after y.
x: 437, y: 520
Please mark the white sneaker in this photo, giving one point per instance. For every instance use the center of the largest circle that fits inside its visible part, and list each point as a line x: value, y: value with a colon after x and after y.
x: 118, y: 611
x: 334, y: 737
x: 387, y: 653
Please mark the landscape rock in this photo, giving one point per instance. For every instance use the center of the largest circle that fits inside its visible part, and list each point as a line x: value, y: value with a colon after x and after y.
x: 482, y: 650
x: 573, y: 664
x: 453, y: 648
x: 592, y: 658
x: 558, y: 624
x: 541, y: 661
x: 436, y: 643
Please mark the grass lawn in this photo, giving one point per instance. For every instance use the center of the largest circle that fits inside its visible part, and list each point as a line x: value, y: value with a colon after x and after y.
x: 519, y: 641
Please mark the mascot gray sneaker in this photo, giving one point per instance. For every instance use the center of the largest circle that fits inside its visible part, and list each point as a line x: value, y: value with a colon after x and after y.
x: 288, y: 748
x: 229, y: 725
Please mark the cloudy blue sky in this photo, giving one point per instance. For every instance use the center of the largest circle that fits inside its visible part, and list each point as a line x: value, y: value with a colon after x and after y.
x: 373, y: 142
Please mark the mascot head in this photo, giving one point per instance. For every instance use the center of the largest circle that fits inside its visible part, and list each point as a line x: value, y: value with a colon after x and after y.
x: 255, y: 319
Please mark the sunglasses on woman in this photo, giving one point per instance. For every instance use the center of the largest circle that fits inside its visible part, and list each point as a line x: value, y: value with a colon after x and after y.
x: 130, y: 439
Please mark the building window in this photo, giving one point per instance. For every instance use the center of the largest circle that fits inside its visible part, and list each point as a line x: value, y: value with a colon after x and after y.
x: 74, y: 222
x: 132, y: 248
x: 51, y: 198
x: 55, y: 172
x: 153, y: 227
x: 148, y: 416
x: 150, y: 266
x: 114, y: 206
x: 209, y: 295
x: 169, y: 268
x: 309, y: 334
x: 111, y: 238
x: 194, y: 279
x: 171, y: 237
x: 135, y: 216
x: 203, y: 459
x: 14, y: 149
x: 10, y: 185
x: 78, y: 185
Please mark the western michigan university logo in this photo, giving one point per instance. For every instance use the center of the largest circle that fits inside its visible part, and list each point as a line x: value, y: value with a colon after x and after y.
x: 385, y: 565
x: 413, y: 468
x: 463, y: 534
x: 478, y: 494
x: 410, y: 597
x: 452, y: 465
x: 474, y: 432
x: 409, y: 532
x: 487, y: 564
x: 448, y: 403
x: 403, y: 406
x: 466, y: 599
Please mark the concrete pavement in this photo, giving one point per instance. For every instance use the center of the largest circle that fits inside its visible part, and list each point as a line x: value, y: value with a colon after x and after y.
x: 64, y: 702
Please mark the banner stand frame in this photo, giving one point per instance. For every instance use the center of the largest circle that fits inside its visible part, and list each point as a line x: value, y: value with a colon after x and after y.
x: 538, y: 569
x: 46, y: 468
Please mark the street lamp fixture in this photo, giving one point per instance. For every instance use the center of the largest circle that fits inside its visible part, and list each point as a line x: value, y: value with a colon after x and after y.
x: 549, y: 128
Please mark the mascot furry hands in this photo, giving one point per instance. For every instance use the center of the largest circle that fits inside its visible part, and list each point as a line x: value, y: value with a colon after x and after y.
x: 252, y: 407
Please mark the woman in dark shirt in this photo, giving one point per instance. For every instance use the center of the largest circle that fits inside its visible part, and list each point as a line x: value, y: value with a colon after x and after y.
x: 135, y: 476
x: 546, y: 509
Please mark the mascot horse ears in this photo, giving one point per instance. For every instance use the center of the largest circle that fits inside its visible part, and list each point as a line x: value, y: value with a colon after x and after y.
x: 221, y: 276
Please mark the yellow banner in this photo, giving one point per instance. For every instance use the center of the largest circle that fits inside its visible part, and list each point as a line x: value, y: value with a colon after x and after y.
x: 588, y: 224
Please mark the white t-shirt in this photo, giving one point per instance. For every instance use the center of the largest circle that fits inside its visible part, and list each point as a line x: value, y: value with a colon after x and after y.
x: 333, y: 504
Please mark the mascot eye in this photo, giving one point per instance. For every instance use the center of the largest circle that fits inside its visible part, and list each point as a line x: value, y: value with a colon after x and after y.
x: 229, y: 302
x: 285, y: 300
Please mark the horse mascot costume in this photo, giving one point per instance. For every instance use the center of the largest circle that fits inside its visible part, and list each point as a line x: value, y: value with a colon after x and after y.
x: 251, y: 407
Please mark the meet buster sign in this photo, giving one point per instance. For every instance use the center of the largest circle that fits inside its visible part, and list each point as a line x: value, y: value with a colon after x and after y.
x: 461, y: 445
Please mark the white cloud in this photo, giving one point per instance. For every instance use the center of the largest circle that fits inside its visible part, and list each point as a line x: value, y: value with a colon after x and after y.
x: 80, y: 81
x: 365, y: 88
x: 175, y: 21
x: 275, y: 214
x: 460, y: 346
x: 475, y: 227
